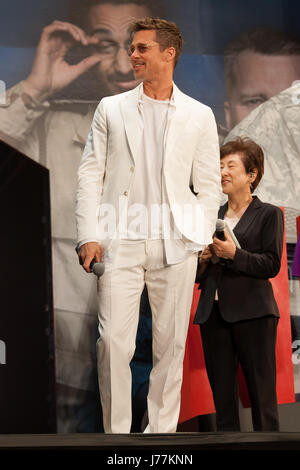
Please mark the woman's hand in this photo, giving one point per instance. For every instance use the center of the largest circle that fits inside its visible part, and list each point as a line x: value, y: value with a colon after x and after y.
x: 224, y: 249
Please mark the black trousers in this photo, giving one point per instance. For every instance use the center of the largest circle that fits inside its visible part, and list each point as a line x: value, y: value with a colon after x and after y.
x: 252, y: 344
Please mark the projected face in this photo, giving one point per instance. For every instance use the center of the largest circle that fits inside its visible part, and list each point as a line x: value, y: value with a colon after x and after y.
x: 258, y: 77
x: 110, y: 24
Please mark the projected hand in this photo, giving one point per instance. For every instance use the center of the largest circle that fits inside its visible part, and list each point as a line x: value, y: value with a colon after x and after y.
x: 50, y: 72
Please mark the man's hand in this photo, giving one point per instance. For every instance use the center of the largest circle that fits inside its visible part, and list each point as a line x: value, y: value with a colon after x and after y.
x: 205, y: 255
x: 224, y: 249
x: 50, y: 72
x: 87, y: 253
x: 203, y: 261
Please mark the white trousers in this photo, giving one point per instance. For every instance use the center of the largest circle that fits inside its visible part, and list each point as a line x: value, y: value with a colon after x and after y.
x: 170, y: 291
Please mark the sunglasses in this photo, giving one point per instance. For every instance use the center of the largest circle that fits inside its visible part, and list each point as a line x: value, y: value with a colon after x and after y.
x: 141, y: 48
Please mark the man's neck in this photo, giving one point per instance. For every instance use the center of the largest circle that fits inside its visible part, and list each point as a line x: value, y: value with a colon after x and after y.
x: 158, y: 90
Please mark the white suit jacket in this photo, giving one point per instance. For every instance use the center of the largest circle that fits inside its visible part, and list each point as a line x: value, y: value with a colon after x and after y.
x: 106, y: 171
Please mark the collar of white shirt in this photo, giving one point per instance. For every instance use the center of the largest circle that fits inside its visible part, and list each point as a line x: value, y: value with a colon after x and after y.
x: 172, y: 99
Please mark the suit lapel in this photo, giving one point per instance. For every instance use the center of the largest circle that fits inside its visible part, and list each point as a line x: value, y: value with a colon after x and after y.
x: 133, y: 121
x: 222, y: 211
x: 177, y: 121
x: 246, y: 220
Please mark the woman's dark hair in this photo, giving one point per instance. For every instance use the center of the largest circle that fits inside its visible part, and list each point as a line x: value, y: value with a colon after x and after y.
x: 251, y: 154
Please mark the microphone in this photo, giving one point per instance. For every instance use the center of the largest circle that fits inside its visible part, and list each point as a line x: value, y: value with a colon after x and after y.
x: 220, y: 227
x: 97, y: 268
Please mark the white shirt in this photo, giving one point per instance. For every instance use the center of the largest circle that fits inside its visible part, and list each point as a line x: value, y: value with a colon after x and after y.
x: 148, y: 189
x: 144, y: 220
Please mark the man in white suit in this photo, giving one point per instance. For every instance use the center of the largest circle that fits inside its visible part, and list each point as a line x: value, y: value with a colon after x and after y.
x: 135, y: 211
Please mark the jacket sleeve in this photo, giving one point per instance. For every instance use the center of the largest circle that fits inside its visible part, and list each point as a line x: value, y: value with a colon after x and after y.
x: 266, y: 263
x: 20, y: 119
x: 201, y: 275
x: 91, y: 174
x: 206, y: 177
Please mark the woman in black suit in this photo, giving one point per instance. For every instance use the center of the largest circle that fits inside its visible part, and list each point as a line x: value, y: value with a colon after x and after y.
x: 237, y: 311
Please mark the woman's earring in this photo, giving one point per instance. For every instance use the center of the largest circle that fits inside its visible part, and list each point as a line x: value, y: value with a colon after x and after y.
x: 251, y: 184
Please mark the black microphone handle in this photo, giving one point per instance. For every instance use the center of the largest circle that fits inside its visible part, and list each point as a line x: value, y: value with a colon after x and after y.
x: 220, y: 235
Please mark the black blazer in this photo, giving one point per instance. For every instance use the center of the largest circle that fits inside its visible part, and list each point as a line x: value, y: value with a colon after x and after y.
x: 244, y: 289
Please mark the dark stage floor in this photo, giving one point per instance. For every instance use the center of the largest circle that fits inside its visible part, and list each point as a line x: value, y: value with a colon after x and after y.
x: 148, y: 450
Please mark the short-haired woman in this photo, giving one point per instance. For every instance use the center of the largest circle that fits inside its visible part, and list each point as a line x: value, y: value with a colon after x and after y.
x: 237, y: 311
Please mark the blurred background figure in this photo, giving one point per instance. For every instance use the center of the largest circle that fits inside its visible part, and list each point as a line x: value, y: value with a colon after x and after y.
x: 258, y: 65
